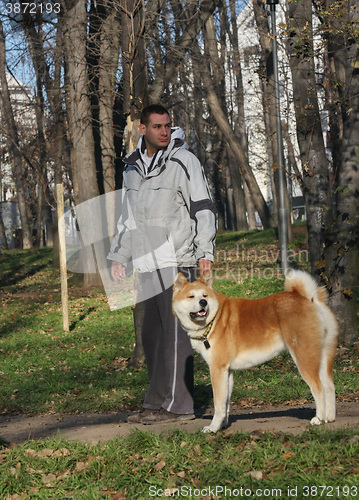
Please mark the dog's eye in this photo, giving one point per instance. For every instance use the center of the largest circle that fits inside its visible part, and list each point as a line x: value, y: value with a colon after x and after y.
x: 205, y: 296
x: 191, y: 296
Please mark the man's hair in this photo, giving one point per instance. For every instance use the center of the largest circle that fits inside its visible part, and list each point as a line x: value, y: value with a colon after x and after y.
x: 158, y: 109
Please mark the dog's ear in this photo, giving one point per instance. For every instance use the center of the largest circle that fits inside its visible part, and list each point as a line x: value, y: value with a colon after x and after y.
x: 179, y: 283
x: 207, y: 279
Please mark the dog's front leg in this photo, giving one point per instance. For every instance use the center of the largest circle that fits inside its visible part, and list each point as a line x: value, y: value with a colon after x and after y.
x: 229, y: 394
x: 220, y: 386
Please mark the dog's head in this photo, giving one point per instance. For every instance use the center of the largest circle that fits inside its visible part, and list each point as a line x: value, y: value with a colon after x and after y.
x: 195, y: 304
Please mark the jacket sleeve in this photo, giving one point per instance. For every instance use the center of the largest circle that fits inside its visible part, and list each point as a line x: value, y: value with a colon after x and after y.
x: 202, y: 211
x: 120, y: 250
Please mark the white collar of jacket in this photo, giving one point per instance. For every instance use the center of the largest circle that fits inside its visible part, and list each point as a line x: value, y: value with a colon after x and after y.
x: 177, y: 142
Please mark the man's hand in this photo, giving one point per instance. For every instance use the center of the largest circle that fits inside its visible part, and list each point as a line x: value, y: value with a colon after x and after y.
x: 118, y: 271
x: 204, y: 266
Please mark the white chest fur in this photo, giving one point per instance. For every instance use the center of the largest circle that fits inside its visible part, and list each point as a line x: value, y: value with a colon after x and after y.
x: 198, y: 345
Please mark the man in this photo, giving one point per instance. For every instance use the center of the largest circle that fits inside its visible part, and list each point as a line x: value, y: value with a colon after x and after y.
x: 168, y: 225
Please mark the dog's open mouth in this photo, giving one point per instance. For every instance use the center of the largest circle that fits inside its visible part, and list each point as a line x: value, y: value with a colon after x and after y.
x: 199, y: 314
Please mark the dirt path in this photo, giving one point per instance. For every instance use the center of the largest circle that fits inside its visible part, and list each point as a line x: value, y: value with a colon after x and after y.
x: 96, y: 427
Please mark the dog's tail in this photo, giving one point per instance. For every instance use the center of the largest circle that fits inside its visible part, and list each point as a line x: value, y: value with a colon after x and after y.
x: 304, y: 284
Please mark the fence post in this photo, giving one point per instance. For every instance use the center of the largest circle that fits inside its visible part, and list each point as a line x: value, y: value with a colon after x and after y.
x: 62, y: 245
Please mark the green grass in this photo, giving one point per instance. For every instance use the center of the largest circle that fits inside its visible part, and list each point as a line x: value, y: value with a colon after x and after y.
x: 144, y: 465
x: 44, y: 369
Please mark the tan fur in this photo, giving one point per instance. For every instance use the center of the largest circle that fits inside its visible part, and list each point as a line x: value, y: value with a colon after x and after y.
x: 248, y: 332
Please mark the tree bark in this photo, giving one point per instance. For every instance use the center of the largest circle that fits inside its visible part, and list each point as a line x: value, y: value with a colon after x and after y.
x: 309, y: 131
x: 14, y: 148
x: 3, y: 238
x: 269, y: 108
x: 83, y: 147
x: 107, y: 66
x: 341, y: 251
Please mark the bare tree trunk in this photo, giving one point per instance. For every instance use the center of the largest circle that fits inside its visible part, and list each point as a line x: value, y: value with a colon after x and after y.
x: 237, y: 200
x: 106, y: 47
x: 296, y: 172
x: 309, y: 130
x: 342, y: 256
x: 14, y: 148
x: 335, y: 61
x: 341, y: 251
x: 41, y: 167
x: 3, y: 238
x: 109, y: 51
x: 239, y: 122
x: 268, y: 95
x: 251, y: 209
x: 199, y: 117
x: 39, y: 242
x: 80, y: 106
x: 56, y: 99
x: 83, y: 154
x: 269, y: 107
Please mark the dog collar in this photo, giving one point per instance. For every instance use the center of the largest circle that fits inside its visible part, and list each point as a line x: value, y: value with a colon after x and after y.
x: 203, y: 337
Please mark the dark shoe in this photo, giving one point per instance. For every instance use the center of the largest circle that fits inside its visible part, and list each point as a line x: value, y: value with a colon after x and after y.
x: 163, y: 416
x: 136, y: 418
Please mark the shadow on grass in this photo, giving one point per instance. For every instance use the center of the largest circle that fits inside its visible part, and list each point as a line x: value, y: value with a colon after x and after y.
x: 38, y: 426
x: 299, y: 413
x: 81, y: 318
x: 11, y: 279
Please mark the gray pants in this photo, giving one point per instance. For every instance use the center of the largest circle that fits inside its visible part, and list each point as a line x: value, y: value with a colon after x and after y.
x: 167, y: 347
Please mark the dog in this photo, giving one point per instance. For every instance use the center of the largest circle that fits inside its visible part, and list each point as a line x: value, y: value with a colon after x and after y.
x: 235, y: 334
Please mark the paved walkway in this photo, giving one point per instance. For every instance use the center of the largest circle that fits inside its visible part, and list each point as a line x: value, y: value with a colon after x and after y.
x: 96, y: 427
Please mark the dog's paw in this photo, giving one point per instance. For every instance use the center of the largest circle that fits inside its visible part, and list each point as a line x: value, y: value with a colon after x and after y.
x: 316, y: 421
x: 208, y: 429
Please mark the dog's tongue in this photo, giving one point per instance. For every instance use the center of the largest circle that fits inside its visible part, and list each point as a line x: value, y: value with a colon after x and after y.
x: 201, y: 313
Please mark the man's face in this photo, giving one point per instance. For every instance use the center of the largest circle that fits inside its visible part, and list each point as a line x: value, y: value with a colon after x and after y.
x: 157, y: 133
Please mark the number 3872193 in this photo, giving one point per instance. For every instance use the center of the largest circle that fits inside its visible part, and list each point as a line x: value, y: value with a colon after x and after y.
x: 32, y: 7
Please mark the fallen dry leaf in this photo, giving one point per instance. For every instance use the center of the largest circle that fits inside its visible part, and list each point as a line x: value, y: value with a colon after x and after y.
x: 80, y: 466
x: 62, y: 452
x: 256, y: 474
x: 160, y: 465
x: 48, y: 478
x: 197, y: 448
x: 45, y: 453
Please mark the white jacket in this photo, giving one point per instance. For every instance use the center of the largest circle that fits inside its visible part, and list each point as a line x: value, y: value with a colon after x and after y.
x: 168, y: 217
